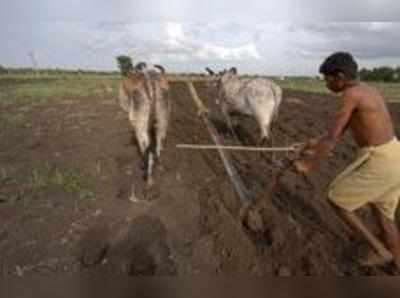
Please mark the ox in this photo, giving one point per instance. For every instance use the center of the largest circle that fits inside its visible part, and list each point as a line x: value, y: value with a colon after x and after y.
x: 143, y: 94
x: 259, y: 98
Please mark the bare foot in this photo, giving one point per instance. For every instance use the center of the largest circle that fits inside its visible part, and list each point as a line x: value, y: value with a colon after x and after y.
x: 374, y: 259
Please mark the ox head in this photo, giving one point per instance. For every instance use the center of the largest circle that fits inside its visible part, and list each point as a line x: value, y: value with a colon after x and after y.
x: 141, y: 66
x: 218, y: 81
x: 153, y: 71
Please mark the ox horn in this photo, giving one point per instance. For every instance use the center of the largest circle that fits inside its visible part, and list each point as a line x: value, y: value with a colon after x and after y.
x: 210, y: 72
x: 233, y: 70
x: 161, y: 68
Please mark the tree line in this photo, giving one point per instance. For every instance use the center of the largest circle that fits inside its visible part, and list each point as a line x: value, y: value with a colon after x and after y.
x: 377, y: 74
x: 52, y: 71
x: 381, y: 74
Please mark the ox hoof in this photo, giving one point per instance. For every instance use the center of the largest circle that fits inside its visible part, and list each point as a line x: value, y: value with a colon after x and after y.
x: 160, y: 167
x: 263, y: 141
x: 149, y: 183
x: 133, y: 199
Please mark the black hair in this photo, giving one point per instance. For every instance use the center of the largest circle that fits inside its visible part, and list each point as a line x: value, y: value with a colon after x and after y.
x: 340, y: 62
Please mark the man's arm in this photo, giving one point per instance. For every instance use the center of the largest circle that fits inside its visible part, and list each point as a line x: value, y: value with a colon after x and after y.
x: 328, y: 142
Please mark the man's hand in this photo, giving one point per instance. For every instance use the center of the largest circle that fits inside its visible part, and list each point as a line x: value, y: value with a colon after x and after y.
x: 303, y: 166
x: 204, y: 112
x: 307, y: 147
x: 311, y: 145
x: 318, y: 147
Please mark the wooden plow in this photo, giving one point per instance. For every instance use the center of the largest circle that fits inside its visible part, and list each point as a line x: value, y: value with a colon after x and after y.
x: 251, y: 205
x: 240, y: 188
x: 249, y: 214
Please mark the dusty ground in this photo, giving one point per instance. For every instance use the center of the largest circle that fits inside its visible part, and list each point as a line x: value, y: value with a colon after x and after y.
x: 66, y: 173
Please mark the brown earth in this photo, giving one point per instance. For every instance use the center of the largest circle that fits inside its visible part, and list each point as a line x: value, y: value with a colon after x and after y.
x: 188, y: 223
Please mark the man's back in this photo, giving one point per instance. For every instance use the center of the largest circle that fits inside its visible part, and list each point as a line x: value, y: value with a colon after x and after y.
x: 370, y: 123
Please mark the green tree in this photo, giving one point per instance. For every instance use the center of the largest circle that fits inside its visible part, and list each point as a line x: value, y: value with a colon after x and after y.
x: 3, y: 69
x: 379, y: 74
x: 125, y: 64
x: 386, y: 73
x: 364, y: 74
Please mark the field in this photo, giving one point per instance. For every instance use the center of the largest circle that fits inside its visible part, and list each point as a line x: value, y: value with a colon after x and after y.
x: 68, y: 160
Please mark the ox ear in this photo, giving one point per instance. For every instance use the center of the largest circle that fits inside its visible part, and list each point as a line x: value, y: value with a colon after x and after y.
x: 210, y: 71
x: 233, y: 70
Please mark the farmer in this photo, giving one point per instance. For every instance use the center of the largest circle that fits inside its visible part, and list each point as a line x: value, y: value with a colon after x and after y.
x: 374, y: 177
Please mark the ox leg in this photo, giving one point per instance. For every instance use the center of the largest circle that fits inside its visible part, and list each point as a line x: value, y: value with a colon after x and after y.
x: 162, y: 119
x: 228, y: 121
x: 143, y: 139
x: 131, y: 116
x: 231, y: 127
x: 263, y: 124
x: 271, y: 141
x: 132, y: 196
x: 267, y: 137
x: 264, y: 136
x: 149, y: 172
x: 160, y: 136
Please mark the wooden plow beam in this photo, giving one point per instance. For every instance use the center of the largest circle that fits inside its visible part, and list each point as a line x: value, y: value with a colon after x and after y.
x: 237, y: 148
x: 240, y: 188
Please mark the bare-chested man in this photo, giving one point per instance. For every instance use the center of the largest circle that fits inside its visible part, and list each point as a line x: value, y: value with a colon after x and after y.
x: 374, y: 177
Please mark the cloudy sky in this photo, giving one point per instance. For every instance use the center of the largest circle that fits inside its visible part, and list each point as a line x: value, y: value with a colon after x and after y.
x: 286, y: 37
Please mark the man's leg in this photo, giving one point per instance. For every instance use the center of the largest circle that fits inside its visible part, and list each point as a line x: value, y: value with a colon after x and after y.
x: 391, y: 235
x: 354, y: 222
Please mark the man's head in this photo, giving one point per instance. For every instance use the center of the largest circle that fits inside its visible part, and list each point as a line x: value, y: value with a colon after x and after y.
x: 339, y: 69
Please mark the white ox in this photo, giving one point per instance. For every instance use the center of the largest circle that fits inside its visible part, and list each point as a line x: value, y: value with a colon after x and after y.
x: 259, y: 98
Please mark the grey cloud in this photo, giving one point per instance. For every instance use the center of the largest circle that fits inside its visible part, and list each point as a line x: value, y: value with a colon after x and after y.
x: 364, y: 40
x: 198, y: 11
x: 258, y: 47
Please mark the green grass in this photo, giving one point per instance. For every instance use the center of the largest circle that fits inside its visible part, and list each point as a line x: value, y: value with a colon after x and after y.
x: 70, y: 181
x: 391, y: 91
x: 28, y: 89
x: 14, y: 187
x: 306, y: 85
x: 8, y: 121
x: 37, y: 89
x: 5, y: 180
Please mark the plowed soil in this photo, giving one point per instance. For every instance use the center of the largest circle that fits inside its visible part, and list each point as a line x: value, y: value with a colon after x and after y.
x: 188, y: 222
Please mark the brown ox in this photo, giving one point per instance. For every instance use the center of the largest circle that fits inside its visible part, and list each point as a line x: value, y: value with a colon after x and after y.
x: 143, y: 93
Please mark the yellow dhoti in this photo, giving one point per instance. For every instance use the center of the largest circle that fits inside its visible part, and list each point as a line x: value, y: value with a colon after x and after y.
x: 374, y: 177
